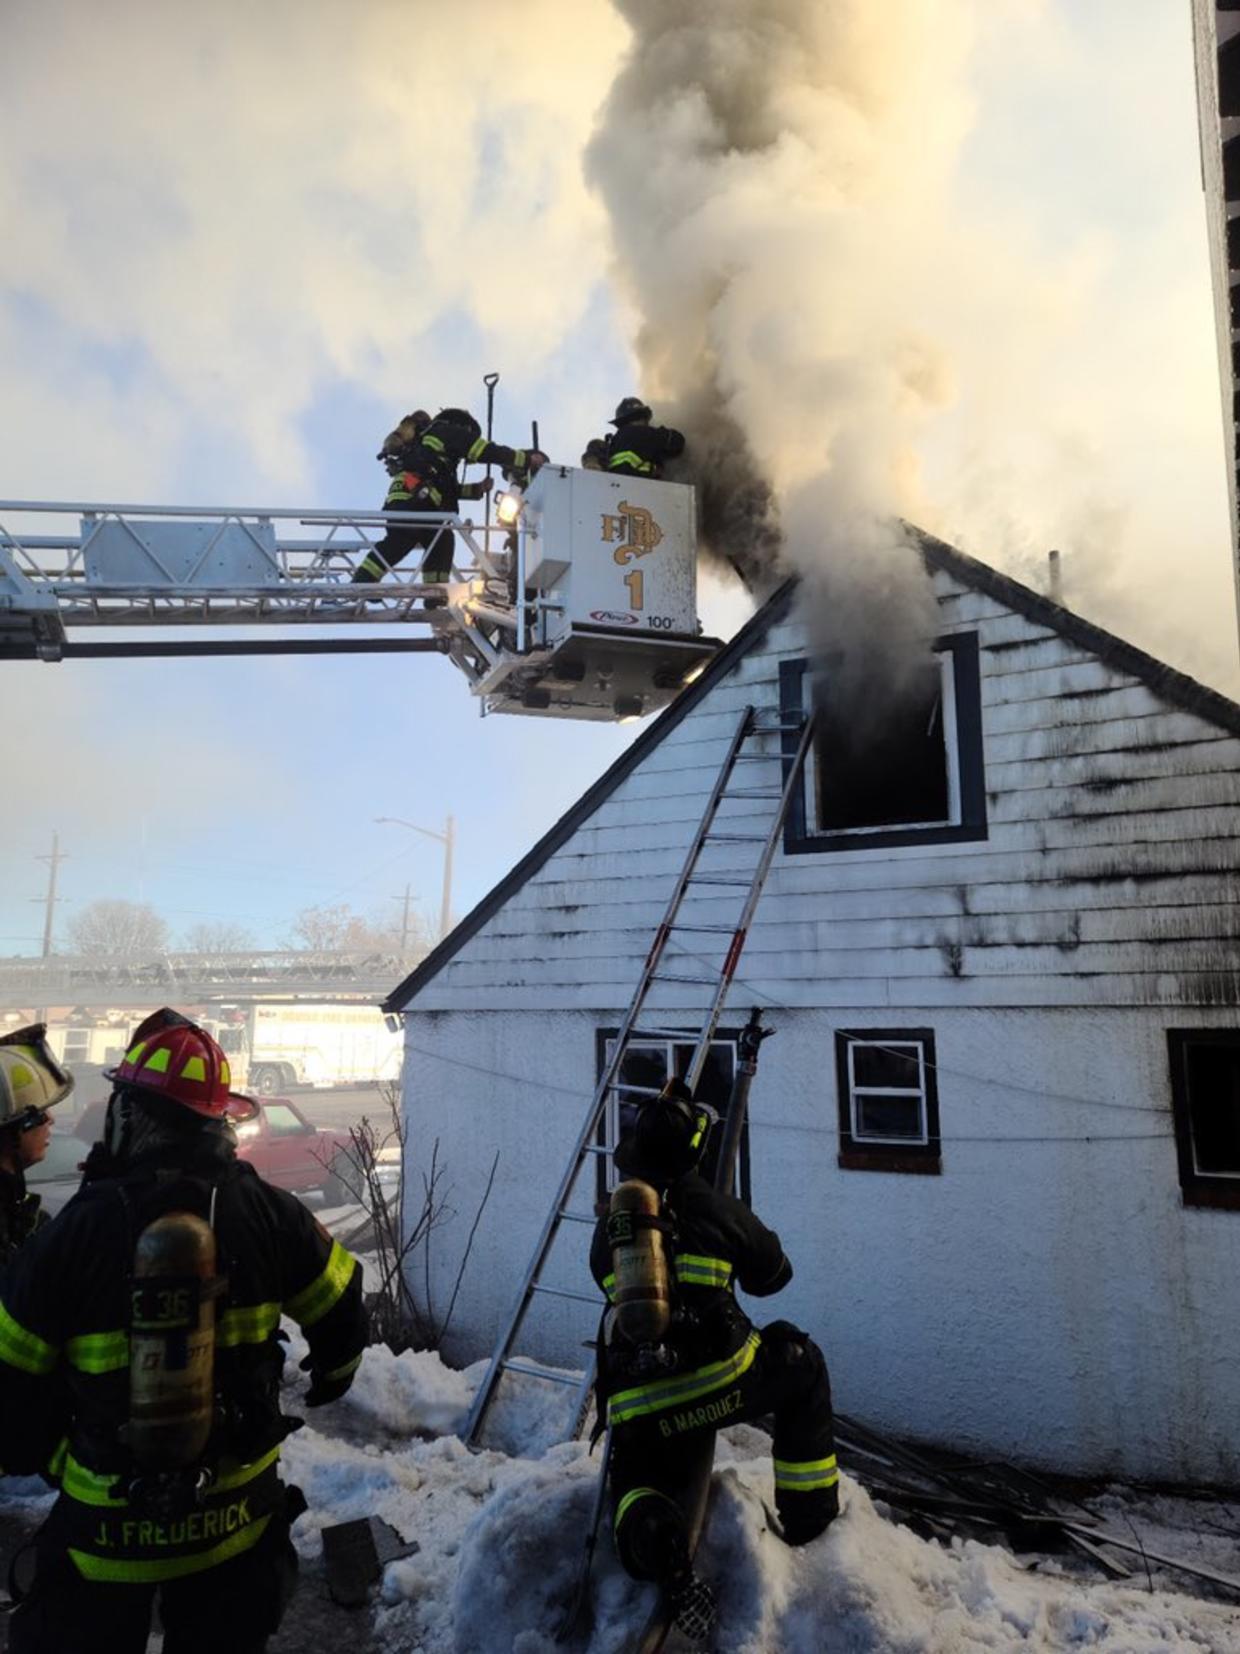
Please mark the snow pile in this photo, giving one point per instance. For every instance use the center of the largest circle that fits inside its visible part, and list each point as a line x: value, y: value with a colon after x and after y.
x: 501, y: 1536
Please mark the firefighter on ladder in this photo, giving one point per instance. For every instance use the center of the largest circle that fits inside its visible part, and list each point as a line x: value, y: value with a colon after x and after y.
x: 710, y: 1368
x: 140, y: 1365
x: 422, y: 456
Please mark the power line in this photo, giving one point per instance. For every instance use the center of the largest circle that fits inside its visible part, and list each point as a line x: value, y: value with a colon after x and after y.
x: 944, y: 1137
x: 939, y: 1068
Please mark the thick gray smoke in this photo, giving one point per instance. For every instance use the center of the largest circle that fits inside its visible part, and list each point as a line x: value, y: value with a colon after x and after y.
x: 758, y: 159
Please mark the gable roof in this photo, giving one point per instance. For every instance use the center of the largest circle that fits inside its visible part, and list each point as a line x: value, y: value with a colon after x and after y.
x: 1172, y: 686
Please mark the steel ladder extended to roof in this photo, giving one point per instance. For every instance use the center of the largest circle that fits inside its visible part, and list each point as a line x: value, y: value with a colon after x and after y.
x: 749, y: 727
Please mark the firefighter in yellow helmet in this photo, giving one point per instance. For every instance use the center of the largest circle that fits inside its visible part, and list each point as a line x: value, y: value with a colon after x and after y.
x: 32, y: 1082
x: 140, y: 1332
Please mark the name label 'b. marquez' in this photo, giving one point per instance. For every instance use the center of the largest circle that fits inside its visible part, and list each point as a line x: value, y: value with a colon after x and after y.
x: 710, y: 1413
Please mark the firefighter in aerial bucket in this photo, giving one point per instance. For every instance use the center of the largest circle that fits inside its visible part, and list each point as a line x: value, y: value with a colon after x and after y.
x: 637, y: 448
x: 423, y: 456
x: 140, y: 1368
x: 679, y: 1356
x: 32, y: 1082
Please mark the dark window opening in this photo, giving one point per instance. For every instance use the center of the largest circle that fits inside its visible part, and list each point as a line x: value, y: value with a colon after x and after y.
x: 1205, y: 1089
x: 890, y: 771
x: 888, y: 1100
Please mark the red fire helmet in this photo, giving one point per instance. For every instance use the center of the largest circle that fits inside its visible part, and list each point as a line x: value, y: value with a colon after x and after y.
x: 172, y: 1057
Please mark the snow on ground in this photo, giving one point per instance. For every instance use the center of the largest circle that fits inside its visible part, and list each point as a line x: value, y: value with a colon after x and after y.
x: 501, y: 1535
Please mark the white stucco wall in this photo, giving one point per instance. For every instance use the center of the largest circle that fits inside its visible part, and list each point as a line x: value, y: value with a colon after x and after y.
x: 1050, y: 1301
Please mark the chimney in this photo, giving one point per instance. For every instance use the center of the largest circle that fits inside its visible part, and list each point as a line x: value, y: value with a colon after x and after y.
x: 1055, y: 580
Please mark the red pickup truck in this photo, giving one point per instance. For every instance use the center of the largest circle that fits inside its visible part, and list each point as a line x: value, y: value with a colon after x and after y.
x: 282, y: 1146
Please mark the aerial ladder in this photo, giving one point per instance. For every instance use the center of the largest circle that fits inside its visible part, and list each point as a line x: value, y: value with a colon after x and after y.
x: 580, y: 601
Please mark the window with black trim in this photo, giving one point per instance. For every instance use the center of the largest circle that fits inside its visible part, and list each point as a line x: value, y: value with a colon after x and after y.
x: 888, y: 1100
x: 650, y: 1064
x: 1205, y: 1096
x: 917, y: 778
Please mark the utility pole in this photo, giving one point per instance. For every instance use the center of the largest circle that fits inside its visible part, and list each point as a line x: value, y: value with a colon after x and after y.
x: 445, y: 910
x: 49, y: 906
x: 49, y: 901
x: 448, y: 839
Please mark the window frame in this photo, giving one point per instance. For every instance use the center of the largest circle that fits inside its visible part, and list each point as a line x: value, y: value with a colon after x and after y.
x: 1217, y: 1190
x: 966, y: 778
x: 873, y: 1154
x: 605, y: 1178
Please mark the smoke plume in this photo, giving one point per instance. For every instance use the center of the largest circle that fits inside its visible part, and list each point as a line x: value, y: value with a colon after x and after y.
x: 755, y: 157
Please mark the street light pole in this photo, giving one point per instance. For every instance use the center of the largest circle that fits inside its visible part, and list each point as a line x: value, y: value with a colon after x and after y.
x: 448, y: 839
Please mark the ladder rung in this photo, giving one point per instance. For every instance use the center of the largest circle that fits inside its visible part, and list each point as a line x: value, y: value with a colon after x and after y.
x: 719, y: 878
x: 669, y: 1033
x: 753, y: 792
x: 563, y: 1292
x: 713, y: 930
x: 770, y: 729
x: 697, y: 981
x: 598, y: 1148
x: 531, y: 1369
x: 576, y: 1217
x: 637, y: 1090
x: 736, y: 838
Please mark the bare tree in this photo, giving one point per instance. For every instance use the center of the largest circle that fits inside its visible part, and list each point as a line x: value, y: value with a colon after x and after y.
x: 119, y: 929
x: 337, y: 929
x: 220, y: 936
x: 397, y: 1319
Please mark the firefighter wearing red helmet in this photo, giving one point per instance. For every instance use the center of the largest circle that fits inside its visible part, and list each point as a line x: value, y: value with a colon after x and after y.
x: 140, y: 1367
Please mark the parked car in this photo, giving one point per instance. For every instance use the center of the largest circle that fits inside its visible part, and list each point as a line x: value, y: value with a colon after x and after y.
x: 282, y: 1146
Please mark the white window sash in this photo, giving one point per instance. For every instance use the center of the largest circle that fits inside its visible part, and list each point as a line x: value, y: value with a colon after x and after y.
x: 918, y: 1092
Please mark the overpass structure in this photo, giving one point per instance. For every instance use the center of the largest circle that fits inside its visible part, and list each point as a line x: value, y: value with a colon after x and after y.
x: 102, y: 983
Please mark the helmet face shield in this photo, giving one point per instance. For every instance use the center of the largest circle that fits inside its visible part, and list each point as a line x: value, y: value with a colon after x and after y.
x: 32, y: 1080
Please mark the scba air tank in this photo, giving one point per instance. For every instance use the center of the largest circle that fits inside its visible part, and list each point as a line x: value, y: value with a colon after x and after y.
x: 643, y: 1299
x: 172, y: 1342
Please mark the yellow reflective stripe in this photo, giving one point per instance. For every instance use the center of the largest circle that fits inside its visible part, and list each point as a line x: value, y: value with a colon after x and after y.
x: 56, y: 1464
x: 135, y: 1572
x: 628, y: 457
x: 225, y: 1073
x: 135, y: 1051
x: 253, y: 1324
x: 800, y: 1476
x: 676, y: 1392
x: 195, y: 1069
x: 95, y: 1487
x: 343, y: 1372
x: 24, y: 1349
x: 374, y: 564
x: 432, y: 442
x: 312, y: 1303
x: 158, y: 1061
x: 630, y: 1499
x: 692, y: 1270
x: 609, y: 1285
x: 98, y: 1352
x: 476, y: 448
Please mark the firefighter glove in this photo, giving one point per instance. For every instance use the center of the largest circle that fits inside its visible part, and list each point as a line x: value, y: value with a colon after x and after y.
x: 323, y: 1389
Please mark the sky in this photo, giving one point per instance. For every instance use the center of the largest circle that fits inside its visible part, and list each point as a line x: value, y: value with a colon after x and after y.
x: 242, y: 240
